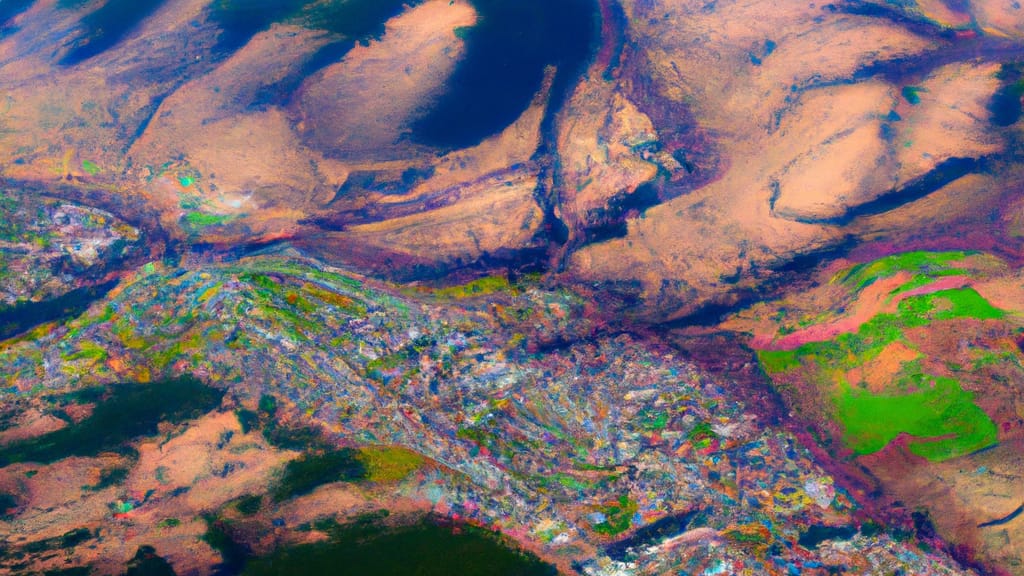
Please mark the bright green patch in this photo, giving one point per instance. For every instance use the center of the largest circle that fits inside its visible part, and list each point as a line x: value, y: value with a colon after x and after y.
x: 649, y: 419
x: 919, y: 262
x: 850, y: 350
x: 203, y: 220
x: 475, y: 434
x: 967, y: 303
x: 702, y: 435
x: 941, y: 414
x: 90, y: 167
x: 986, y: 358
x: 941, y: 417
x: 571, y: 482
x: 618, y: 516
x: 87, y: 351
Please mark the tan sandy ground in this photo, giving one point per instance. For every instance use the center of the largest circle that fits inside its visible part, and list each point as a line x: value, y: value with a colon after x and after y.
x: 818, y: 152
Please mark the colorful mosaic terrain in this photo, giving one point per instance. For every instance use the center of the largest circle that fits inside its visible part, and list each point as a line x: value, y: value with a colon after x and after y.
x: 483, y: 287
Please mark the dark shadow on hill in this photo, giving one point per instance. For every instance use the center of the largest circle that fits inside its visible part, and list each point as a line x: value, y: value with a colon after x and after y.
x: 123, y: 412
x: 106, y: 26
x: 23, y: 316
x: 346, y: 22
x: 430, y: 546
x: 943, y: 174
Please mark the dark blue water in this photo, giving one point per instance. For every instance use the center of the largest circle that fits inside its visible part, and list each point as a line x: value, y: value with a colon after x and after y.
x: 507, y: 51
x: 240, y: 20
x: 106, y: 26
x: 355, y: 20
x: 1005, y: 105
x: 11, y: 8
x: 348, y: 23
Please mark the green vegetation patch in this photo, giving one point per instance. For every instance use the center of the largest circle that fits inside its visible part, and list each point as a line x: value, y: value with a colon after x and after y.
x: 113, y: 476
x: 310, y: 470
x: 702, y: 435
x: 478, y: 287
x: 73, y: 571
x: 618, y: 516
x: 128, y: 411
x: 936, y: 408
x: 919, y: 262
x: 249, y: 504
x: 87, y: 351
x: 940, y: 415
x: 425, y: 548
x: 7, y: 502
x: 389, y: 463
x: 69, y: 539
x: 776, y: 361
x: 966, y: 303
x: 218, y: 537
x: 91, y: 168
x: 198, y: 220
x: 147, y: 563
x: 853, y: 349
x: 652, y: 419
x: 571, y: 482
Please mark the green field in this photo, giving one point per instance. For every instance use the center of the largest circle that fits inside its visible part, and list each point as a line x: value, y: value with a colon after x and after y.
x: 942, y: 418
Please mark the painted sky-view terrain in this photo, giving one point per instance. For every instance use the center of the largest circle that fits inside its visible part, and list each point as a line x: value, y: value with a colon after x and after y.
x: 512, y: 287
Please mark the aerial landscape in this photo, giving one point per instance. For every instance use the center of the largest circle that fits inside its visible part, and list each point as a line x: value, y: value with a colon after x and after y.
x: 512, y: 287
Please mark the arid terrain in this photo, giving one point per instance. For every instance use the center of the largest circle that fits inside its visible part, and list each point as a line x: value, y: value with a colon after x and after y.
x: 601, y: 287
